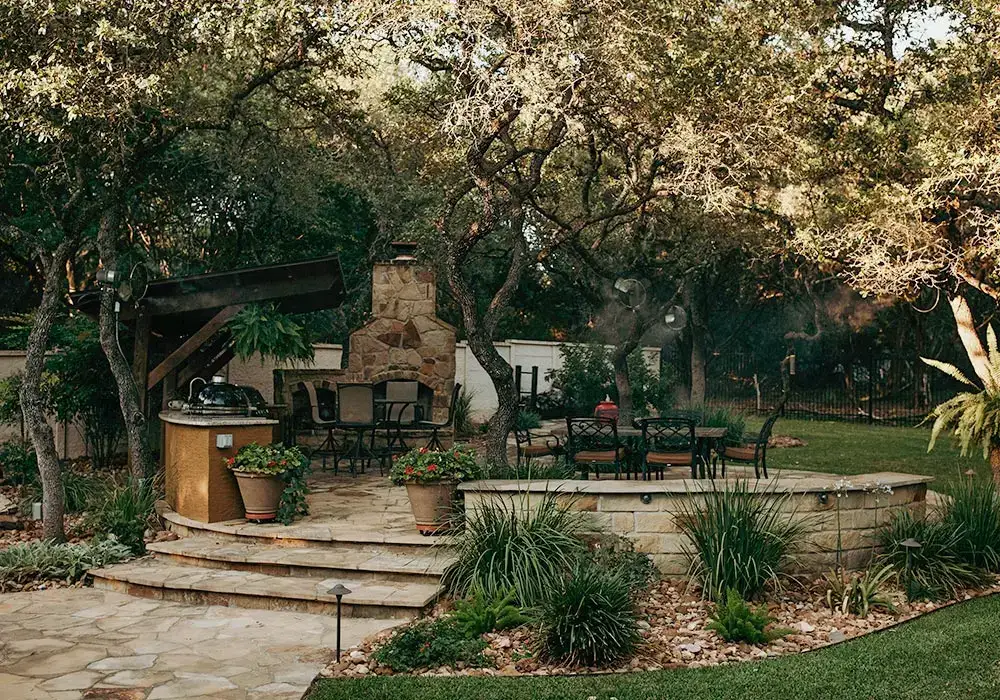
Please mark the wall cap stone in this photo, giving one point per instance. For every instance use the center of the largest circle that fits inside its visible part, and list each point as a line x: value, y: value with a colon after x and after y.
x: 811, y: 484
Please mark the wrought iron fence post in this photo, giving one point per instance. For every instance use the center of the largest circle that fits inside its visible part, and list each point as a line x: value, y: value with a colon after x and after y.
x: 871, y: 389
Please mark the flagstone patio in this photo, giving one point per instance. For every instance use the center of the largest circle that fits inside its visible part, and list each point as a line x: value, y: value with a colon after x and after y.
x: 68, y: 643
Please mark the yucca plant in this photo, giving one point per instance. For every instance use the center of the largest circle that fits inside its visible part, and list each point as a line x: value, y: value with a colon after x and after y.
x: 972, y: 416
x: 511, y: 546
x: 740, y: 539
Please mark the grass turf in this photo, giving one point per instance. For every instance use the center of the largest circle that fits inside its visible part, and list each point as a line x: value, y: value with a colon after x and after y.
x: 853, y: 448
x: 954, y: 653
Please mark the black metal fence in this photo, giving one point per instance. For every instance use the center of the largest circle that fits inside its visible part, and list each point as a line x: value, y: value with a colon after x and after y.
x: 870, y: 388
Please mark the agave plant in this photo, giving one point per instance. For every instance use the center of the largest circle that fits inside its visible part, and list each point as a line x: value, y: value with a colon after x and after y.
x: 972, y: 416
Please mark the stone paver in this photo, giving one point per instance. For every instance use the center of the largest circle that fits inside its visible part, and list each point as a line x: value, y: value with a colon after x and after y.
x: 56, y: 644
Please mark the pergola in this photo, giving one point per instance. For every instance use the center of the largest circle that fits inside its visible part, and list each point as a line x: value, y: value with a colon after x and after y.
x: 186, y: 316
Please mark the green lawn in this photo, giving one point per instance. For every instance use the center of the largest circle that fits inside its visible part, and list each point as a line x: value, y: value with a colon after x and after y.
x: 954, y: 653
x: 853, y: 448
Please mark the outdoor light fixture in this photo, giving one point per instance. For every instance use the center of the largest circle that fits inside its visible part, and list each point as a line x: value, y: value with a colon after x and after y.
x: 646, y: 498
x: 632, y: 291
x: 823, y: 498
x: 676, y: 318
x: 909, y: 544
x: 105, y: 276
x: 340, y: 590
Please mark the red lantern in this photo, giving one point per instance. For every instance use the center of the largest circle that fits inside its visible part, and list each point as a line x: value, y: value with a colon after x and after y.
x: 606, y: 411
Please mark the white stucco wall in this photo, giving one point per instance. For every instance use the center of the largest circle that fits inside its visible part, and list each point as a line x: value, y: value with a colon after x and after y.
x: 69, y: 436
x: 526, y: 353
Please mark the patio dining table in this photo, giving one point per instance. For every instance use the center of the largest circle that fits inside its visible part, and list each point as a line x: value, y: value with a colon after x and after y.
x: 709, y: 440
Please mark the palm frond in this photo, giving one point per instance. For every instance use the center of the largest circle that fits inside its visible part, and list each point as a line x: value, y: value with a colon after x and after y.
x: 949, y: 369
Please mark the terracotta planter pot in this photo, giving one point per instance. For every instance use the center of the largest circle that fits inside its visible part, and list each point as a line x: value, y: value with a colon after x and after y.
x: 261, y: 494
x: 431, y: 505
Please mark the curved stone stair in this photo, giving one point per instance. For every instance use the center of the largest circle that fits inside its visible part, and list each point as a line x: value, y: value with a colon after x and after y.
x: 237, y: 564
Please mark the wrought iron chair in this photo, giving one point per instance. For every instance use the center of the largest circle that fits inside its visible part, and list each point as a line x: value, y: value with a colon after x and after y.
x: 592, y: 443
x: 668, y: 442
x: 754, y: 453
x: 531, y: 445
x: 435, y: 428
x: 356, y: 414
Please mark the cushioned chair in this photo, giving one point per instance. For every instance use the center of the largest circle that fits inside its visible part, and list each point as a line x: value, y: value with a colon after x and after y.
x: 593, y: 444
x: 667, y: 442
x: 531, y: 445
x: 754, y: 453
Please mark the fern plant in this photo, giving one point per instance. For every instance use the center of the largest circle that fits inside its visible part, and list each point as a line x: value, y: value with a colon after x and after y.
x: 483, y: 613
x: 972, y: 416
x: 265, y: 330
x: 735, y: 621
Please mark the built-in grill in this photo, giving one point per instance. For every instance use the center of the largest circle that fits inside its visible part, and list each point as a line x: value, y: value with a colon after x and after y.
x: 219, y: 398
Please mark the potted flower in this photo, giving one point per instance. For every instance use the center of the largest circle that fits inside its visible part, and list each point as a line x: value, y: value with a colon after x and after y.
x: 430, y: 477
x: 261, y: 472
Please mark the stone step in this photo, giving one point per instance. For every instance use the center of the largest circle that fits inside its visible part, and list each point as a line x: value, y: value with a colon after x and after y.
x: 330, y: 535
x: 306, y: 562
x: 161, y: 580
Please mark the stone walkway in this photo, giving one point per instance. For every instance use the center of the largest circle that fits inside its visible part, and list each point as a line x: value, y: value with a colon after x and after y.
x: 70, y: 643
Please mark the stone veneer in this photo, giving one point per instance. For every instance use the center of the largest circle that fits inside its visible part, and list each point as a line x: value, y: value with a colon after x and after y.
x: 405, y: 339
x: 646, y: 511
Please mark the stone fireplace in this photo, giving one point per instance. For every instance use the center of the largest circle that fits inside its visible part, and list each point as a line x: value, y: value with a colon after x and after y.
x: 405, y: 341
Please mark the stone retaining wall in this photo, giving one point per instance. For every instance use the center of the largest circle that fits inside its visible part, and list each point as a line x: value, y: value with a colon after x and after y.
x: 646, y: 512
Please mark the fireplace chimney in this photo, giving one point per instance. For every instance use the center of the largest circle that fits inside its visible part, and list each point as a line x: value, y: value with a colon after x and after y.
x: 404, y: 252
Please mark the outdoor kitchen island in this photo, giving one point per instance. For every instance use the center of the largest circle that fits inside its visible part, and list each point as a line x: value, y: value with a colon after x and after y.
x: 198, y: 484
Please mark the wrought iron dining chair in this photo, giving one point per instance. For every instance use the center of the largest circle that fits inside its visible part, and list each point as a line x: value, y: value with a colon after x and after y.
x: 593, y: 443
x: 754, y: 453
x: 531, y: 445
x: 667, y: 442
x: 356, y: 414
x: 436, y: 428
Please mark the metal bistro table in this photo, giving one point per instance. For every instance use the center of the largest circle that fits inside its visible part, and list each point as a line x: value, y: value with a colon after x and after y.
x: 709, y: 440
x: 391, y: 421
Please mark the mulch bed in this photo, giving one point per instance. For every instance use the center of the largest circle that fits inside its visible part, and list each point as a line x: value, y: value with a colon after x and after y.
x: 672, y: 620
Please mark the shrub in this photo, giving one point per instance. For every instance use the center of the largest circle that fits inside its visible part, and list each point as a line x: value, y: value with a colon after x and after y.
x: 718, y: 417
x: 859, y: 593
x: 618, y: 554
x: 126, y: 510
x: 740, y: 539
x: 79, y: 491
x: 18, y: 463
x: 40, y: 561
x: 527, y: 420
x: 464, y: 425
x: 974, y: 513
x: 589, y: 618
x: 936, y: 569
x: 735, y: 621
x: 430, y: 643
x: 482, y: 613
x: 510, y: 545
x: 587, y: 376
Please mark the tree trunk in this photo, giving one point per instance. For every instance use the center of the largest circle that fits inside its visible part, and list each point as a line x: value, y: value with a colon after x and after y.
x: 699, y: 360
x: 140, y: 455
x: 626, y: 412
x: 32, y: 405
